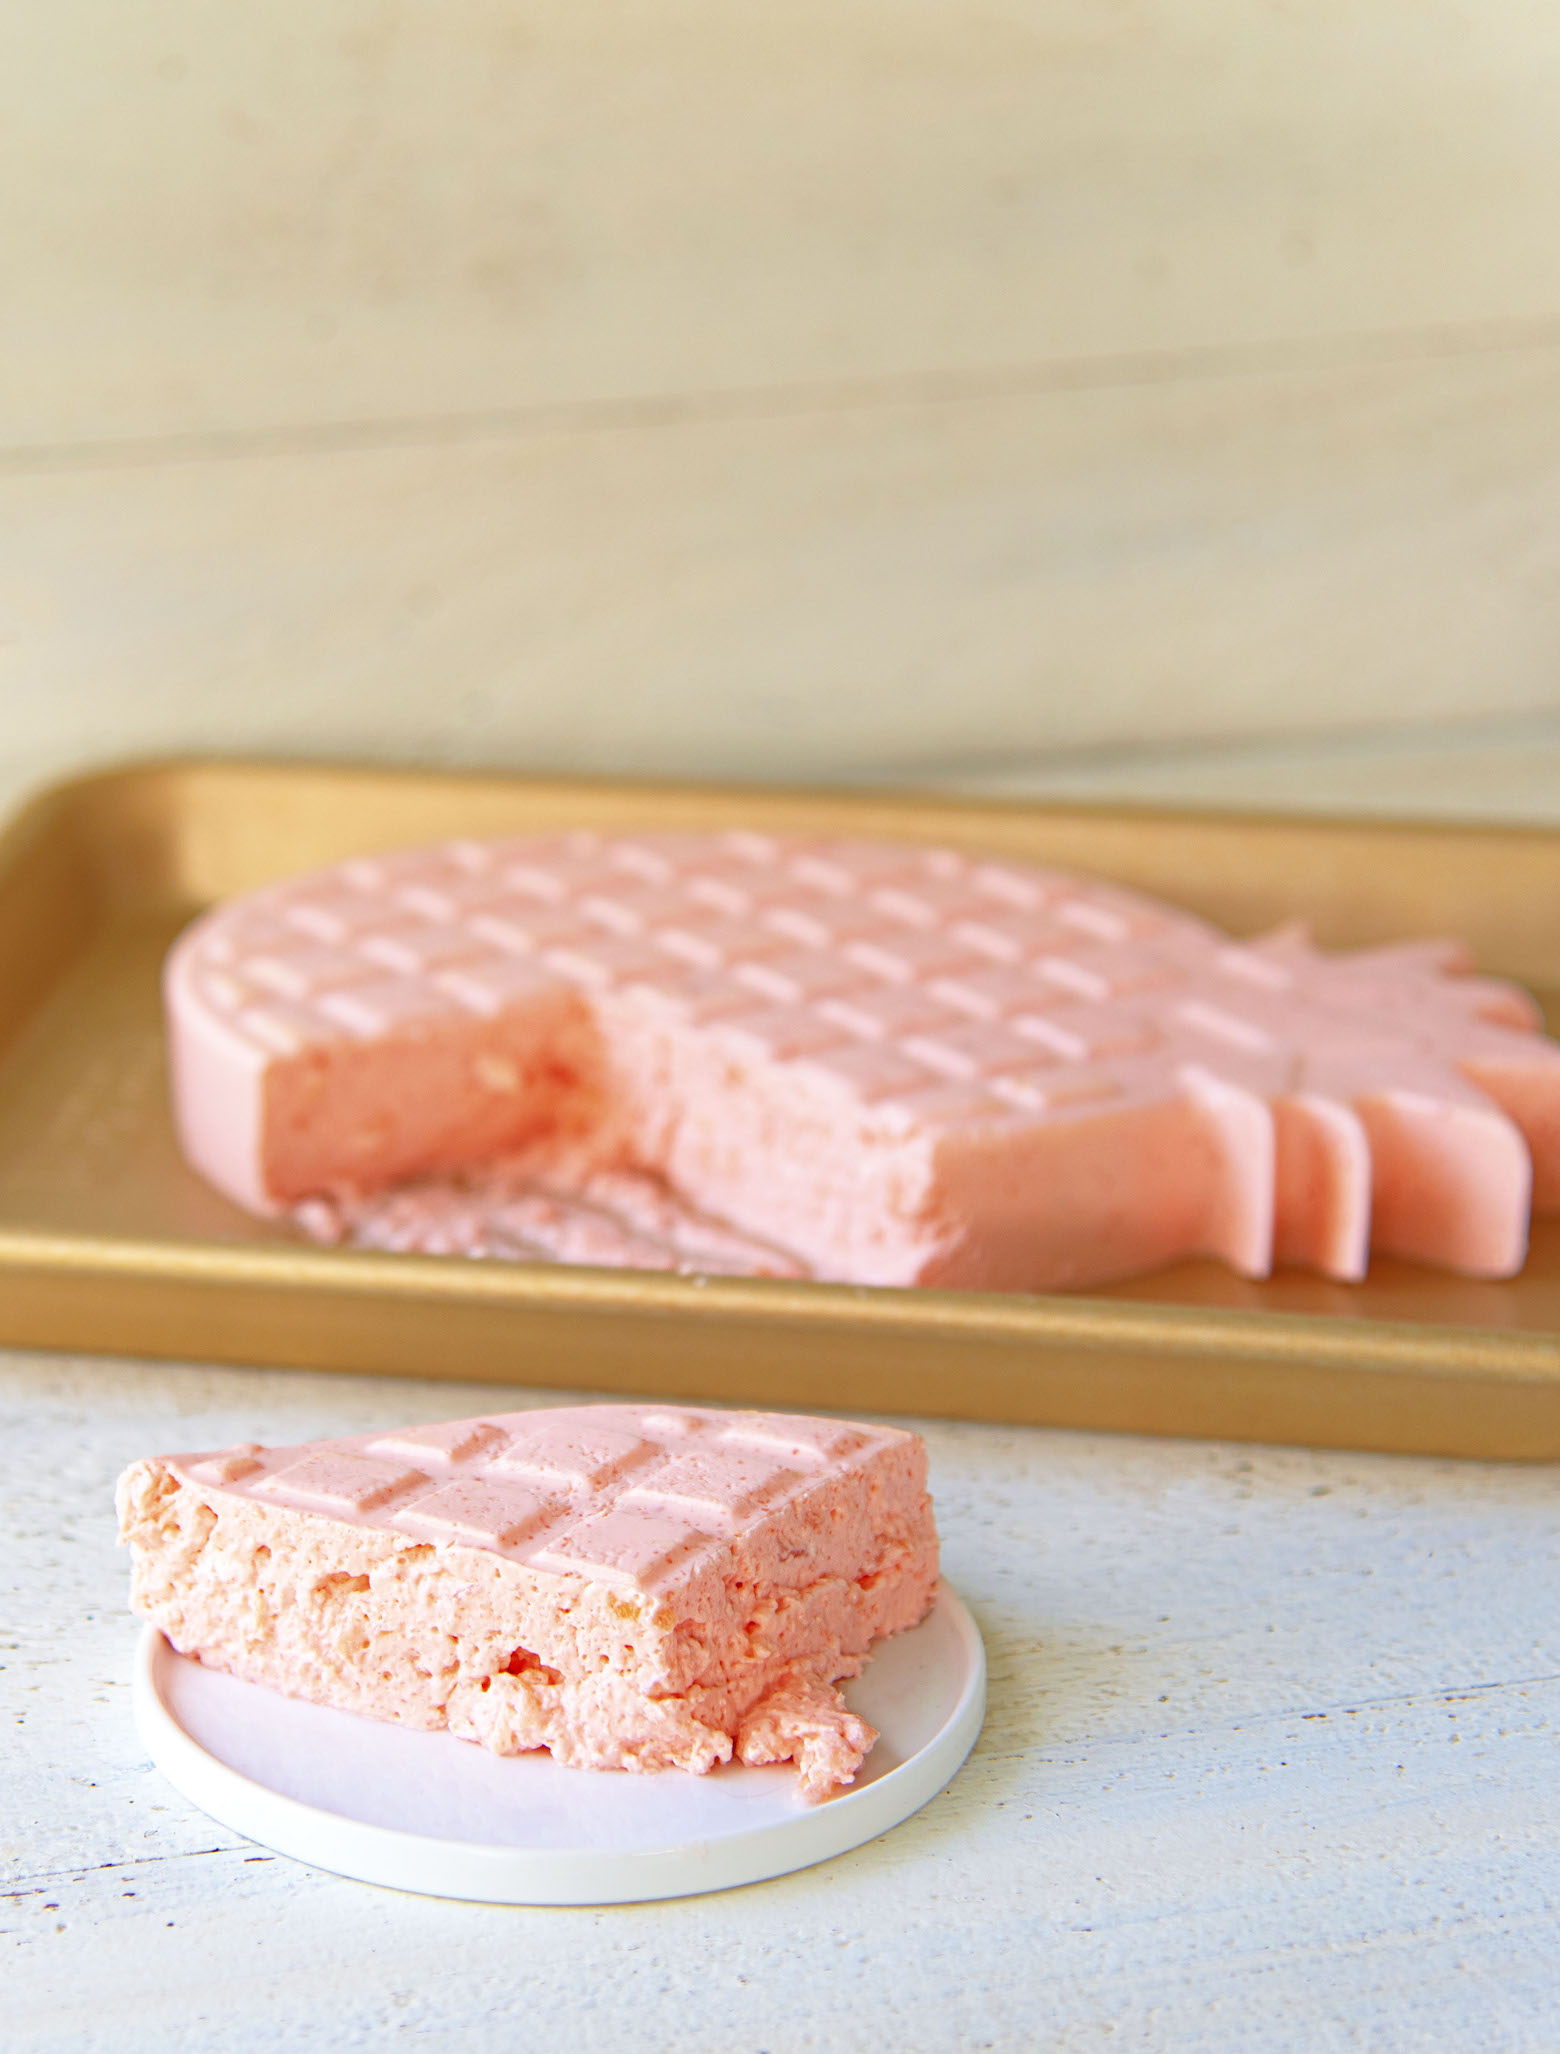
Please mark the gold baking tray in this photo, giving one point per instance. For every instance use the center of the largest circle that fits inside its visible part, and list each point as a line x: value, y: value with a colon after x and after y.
x: 107, y: 1242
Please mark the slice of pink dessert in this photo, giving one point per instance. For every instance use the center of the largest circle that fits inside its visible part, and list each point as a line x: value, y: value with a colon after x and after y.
x: 631, y: 1587
x: 890, y: 1064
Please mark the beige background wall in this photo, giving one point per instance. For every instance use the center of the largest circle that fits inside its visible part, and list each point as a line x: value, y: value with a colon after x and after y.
x: 807, y: 390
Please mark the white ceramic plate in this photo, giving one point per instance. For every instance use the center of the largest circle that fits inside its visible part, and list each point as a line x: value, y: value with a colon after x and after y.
x: 421, y: 1811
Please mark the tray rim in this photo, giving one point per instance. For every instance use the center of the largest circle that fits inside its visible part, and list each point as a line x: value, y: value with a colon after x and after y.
x: 1230, y: 1333
x: 71, y: 788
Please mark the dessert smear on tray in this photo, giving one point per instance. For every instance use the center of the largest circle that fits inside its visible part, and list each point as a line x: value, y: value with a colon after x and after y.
x: 631, y: 1587
x: 871, y: 1062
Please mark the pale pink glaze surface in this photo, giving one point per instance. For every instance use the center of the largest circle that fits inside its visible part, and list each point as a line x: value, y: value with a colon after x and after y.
x: 633, y: 1587
x: 882, y: 1063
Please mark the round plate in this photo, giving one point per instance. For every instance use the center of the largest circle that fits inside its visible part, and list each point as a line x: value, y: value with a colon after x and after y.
x: 423, y: 1811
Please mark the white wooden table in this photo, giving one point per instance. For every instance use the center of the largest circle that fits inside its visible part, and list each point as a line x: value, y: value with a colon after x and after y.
x: 1270, y: 1762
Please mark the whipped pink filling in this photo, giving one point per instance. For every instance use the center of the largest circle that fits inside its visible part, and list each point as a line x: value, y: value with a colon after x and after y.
x: 630, y: 1587
x: 871, y: 1062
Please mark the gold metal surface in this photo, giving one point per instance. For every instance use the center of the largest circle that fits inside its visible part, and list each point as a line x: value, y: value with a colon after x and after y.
x: 108, y: 1242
